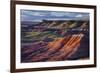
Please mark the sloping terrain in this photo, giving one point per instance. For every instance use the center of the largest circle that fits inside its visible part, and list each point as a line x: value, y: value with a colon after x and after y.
x: 55, y: 41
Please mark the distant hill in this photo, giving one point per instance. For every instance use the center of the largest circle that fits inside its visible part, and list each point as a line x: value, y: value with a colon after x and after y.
x: 64, y: 24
